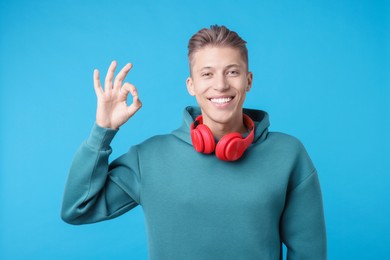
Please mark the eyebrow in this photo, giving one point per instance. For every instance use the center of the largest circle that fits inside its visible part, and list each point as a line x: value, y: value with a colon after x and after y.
x: 233, y: 65
x: 227, y: 67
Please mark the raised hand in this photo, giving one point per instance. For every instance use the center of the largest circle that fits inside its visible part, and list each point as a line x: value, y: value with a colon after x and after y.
x: 112, y: 108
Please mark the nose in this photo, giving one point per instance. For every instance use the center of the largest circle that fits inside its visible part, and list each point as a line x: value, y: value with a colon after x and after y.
x: 221, y: 83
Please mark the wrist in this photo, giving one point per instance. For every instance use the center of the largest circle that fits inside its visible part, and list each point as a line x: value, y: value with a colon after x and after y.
x: 106, y: 126
x: 101, y: 137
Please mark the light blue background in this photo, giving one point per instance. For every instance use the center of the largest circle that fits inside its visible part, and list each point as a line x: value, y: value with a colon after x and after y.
x: 321, y: 69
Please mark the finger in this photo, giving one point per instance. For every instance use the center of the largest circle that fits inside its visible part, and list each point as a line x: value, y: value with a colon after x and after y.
x: 110, y: 76
x: 96, y: 83
x: 136, y: 104
x: 124, y: 91
x: 122, y: 75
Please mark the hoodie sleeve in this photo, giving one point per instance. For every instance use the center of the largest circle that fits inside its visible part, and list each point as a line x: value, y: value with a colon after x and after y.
x: 303, y: 223
x: 96, y: 190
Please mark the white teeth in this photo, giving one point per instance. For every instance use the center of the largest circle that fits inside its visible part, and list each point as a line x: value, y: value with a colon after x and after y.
x: 220, y: 100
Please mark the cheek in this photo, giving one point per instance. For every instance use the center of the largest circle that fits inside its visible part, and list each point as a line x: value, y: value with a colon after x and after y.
x: 241, y: 85
x: 201, y: 86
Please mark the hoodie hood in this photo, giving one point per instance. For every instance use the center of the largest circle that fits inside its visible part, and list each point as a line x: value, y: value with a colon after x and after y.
x: 259, y: 117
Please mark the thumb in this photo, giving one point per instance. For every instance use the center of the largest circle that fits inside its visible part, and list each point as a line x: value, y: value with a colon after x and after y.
x: 136, y: 104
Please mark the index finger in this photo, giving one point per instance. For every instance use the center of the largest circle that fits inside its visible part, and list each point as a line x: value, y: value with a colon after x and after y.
x: 122, y: 75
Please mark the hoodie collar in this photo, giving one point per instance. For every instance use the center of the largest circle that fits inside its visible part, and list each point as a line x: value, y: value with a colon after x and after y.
x: 259, y: 117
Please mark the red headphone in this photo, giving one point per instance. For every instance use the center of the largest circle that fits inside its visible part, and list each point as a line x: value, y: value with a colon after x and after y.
x: 229, y: 148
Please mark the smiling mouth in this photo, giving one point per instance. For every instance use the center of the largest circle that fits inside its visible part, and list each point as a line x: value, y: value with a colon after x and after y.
x: 220, y: 101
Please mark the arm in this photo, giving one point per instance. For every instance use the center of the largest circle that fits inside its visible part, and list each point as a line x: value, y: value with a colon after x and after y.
x: 303, y: 225
x: 95, y: 190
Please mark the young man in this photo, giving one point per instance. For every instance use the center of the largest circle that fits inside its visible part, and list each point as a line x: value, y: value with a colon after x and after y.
x: 219, y: 187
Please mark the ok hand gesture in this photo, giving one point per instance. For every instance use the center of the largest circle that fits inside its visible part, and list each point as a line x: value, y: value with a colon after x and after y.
x: 112, y: 109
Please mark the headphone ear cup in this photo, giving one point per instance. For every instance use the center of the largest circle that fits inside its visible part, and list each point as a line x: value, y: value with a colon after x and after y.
x: 203, y: 139
x: 197, y: 140
x: 230, y: 147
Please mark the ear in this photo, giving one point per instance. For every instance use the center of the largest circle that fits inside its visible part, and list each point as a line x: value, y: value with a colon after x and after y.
x: 249, y: 78
x: 190, y: 86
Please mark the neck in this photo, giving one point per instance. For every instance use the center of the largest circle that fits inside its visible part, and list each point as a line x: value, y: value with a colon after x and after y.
x: 221, y: 129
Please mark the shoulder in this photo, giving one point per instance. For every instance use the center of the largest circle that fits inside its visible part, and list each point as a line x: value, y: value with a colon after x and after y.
x: 157, y: 143
x: 294, y: 154
x: 288, y: 144
x: 157, y: 140
x: 285, y: 141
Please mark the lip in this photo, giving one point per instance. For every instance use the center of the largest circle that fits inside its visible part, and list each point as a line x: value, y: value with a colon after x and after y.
x: 221, y: 100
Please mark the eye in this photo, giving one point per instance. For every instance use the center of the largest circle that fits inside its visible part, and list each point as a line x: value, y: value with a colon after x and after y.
x: 206, y: 74
x: 233, y: 72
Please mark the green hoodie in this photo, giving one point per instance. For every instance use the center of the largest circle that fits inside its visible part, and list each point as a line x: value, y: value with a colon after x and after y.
x: 199, y: 207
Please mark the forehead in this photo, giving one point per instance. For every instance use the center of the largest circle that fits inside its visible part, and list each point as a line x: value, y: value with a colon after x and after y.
x: 216, y: 57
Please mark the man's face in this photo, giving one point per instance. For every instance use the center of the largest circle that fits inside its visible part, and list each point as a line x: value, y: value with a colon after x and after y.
x: 219, y: 81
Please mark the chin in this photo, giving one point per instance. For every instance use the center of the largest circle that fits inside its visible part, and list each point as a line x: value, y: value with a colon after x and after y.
x: 220, y: 116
